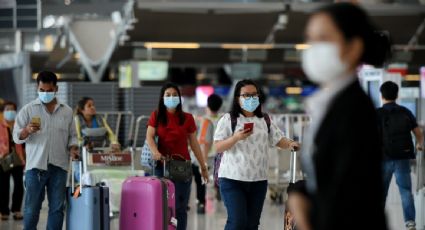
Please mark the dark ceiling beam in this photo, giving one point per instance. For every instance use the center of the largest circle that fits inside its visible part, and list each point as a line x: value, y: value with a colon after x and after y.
x: 261, y: 7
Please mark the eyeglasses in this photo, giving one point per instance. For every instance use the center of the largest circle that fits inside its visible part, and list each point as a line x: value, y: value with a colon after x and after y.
x: 249, y: 95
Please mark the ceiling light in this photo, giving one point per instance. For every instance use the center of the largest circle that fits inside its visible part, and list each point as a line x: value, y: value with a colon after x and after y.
x: 49, y: 21
x: 172, y: 45
x: 36, y: 46
x: 302, y: 46
x: 247, y: 46
x: 412, y: 77
x: 294, y: 90
x: 48, y: 42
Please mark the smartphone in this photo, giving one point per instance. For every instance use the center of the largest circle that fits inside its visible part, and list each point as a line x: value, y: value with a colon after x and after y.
x: 36, y: 121
x: 248, y: 126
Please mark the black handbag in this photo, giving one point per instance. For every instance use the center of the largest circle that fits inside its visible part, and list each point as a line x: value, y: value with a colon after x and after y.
x: 178, y: 170
x: 10, y: 161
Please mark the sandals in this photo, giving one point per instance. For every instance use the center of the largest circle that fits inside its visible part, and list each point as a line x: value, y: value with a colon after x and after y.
x: 18, y: 216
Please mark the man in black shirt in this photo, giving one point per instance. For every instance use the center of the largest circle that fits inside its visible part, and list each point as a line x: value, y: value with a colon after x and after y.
x: 396, y: 124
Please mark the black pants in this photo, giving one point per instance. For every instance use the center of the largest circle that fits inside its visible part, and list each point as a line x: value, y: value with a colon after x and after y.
x: 200, y: 188
x: 18, y: 190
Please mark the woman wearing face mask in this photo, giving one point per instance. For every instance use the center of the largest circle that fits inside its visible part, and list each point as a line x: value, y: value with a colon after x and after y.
x: 342, y: 156
x: 92, y: 129
x: 244, y: 165
x: 7, y: 146
x: 174, y: 129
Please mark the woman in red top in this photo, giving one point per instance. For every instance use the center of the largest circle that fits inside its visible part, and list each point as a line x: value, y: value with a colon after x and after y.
x: 6, y: 146
x: 174, y: 129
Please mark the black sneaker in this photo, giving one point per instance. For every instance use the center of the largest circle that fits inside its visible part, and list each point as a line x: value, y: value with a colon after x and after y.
x: 201, y: 209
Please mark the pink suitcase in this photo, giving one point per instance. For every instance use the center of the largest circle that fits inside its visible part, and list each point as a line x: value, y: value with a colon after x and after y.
x: 148, y: 203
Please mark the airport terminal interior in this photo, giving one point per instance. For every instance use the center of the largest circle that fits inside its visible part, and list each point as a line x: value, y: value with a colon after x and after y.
x: 120, y: 53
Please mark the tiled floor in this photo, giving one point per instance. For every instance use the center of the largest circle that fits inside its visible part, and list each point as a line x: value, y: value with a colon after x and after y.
x: 215, y: 217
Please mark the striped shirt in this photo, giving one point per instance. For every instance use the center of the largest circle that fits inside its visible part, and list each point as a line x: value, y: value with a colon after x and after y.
x: 51, y: 144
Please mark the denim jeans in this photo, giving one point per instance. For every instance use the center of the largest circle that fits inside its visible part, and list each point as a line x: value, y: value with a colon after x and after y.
x: 401, y: 170
x: 37, y: 182
x: 182, y: 199
x: 244, y: 203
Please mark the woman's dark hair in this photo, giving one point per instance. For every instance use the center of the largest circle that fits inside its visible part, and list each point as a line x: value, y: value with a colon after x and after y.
x: 7, y: 103
x: 162, y: 110
x: 353, y: 22
x: 389, y: 90
x: 236, y: 107
x: 81, y: 104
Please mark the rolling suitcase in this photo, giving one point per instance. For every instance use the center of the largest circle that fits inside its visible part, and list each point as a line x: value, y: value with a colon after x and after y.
x: 419, y: 194
x: 289, y: 221
x: 88, y: 209
x: 148, y: 203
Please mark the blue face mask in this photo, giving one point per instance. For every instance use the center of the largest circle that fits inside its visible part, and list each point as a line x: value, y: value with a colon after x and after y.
x: 9, y: 115
x: 250, y: 104
x: 46, y: 97
x: 171, y: 102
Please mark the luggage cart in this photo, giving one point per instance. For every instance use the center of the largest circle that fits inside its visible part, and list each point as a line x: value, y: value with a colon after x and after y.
x: 139, y: 139
x: 284, y: 163
x: 100, y: 165
x: 122, y: 123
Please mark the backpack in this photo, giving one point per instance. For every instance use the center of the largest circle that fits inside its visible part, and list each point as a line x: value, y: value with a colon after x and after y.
x: 396, y: 134
x: 219, y: 156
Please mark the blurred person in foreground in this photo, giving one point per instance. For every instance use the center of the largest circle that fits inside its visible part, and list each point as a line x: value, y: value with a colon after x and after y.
x: 341, y: 152
x: 294, y: 217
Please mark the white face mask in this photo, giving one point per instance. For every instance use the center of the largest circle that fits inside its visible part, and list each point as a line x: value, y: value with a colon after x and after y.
x: 322, y: 64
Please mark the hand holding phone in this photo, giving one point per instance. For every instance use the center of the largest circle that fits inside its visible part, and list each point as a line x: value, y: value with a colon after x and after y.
x: 34, y: 125
x: 36, y: 121
x: 248, y: 126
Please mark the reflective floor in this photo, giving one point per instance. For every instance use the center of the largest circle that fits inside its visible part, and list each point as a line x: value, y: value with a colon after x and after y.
x: 215, y: 217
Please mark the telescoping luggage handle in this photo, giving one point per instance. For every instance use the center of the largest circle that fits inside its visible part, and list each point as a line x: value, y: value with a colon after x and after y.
x: 419, y: 171
x: 293, y: 166
x: 73, y: 176
x: 172, y: 220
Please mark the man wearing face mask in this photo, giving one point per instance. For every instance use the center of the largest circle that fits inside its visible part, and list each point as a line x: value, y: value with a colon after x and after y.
x: 47, y: 128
